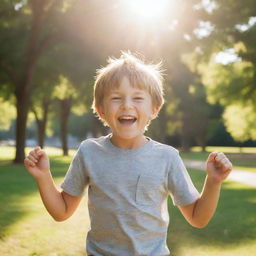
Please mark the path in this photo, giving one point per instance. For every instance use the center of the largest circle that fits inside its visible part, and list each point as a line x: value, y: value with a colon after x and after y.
x: 246, y: 177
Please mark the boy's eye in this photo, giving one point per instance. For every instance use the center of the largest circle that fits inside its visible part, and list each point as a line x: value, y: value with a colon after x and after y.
x: 115, y: 98
x: 138, y: 98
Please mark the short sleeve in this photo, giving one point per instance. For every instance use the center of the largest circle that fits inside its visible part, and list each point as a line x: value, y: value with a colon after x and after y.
x: 76, y: 178
x: 180, y: 185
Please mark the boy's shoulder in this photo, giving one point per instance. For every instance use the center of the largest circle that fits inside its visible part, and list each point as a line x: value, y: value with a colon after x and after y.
x: 93, y: 142
x: 164, y: 149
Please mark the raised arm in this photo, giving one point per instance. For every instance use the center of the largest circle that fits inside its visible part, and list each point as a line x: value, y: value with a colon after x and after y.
x: 59, y: 204
x: 200, y: 212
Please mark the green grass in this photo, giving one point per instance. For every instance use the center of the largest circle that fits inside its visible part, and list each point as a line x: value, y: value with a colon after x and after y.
x: 27, y: 229
x: 25, y: 226
x: 242, y: 161
x: 7, y: 153
x: 231, y: 232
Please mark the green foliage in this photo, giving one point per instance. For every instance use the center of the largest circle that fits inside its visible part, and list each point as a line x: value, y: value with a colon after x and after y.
x: 240, y: 121
x: 64, y: 89
x: 76, y: 37
x: 233, y: 83
x: 8, y: 113
x: 227, y: 84
x: 233, y: 87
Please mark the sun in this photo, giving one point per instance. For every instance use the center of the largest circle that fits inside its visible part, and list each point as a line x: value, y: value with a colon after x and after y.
x: 148, y: 9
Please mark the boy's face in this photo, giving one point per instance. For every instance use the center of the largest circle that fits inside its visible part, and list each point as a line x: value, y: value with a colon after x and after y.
x: 127, y: 111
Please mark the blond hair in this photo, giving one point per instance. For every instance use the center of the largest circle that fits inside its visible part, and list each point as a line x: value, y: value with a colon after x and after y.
x: 140, y: 75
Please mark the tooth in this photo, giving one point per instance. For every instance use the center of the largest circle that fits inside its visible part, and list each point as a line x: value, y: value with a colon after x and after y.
x: 128, y: 118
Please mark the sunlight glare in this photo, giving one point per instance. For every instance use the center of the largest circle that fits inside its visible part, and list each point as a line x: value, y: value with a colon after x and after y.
x: 148, y: 9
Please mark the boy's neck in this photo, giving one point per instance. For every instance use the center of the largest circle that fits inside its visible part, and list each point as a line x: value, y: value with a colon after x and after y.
x: 128, y: 143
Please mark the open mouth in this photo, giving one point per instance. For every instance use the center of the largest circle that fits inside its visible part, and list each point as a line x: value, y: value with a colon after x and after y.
x: 127, y: 120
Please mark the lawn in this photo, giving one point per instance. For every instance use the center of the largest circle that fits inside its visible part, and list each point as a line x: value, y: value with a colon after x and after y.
x: 232, y: 231
x: 26, y: 229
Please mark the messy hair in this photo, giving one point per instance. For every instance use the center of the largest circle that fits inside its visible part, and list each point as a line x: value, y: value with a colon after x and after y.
x: 140, y: 75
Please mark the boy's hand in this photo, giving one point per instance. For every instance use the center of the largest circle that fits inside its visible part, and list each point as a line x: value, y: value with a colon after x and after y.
x: 37, y: 163
x: 218, y: 166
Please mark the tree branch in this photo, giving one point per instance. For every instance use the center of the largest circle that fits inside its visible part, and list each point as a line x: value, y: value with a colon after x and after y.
x: 35, y: 113
x: 51, y: 39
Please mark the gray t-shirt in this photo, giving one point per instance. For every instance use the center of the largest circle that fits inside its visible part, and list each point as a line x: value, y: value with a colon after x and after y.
x: 127, y: 195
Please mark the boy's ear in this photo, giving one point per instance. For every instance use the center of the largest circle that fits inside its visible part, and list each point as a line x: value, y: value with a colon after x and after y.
x: 154, y: 114
x: 100, y: 111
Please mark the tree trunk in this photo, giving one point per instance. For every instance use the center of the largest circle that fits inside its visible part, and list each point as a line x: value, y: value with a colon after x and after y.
x: 23, y: 83
x: 22, y: 104
x: 22, y: 93
x: 201, y: 141
x: 41, y: 123
x: 185, y: 144
x: 41, y: 133
x: 24, y: 86
x: 65, y: 107
x: 186, y: 133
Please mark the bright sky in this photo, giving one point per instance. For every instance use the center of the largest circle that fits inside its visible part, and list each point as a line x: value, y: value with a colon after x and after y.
x: 227, y: 56
x: 208, y: 5
x: 203, y: 29
x: 245, y: 27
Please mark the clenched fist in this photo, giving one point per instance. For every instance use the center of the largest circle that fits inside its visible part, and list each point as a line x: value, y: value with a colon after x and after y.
x: 218, y: 166
x: 37, y: 163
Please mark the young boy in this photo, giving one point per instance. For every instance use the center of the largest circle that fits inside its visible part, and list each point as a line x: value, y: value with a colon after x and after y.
x: 129, y: 176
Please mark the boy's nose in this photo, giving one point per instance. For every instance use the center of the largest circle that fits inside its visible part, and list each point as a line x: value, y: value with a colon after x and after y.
x: 127, y: 104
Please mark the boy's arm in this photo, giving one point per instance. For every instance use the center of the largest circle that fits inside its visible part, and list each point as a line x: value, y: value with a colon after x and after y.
x: 60, y: 205
x: 200, y: 212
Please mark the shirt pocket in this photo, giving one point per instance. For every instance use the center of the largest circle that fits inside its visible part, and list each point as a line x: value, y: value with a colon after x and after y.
x: 149, y: 190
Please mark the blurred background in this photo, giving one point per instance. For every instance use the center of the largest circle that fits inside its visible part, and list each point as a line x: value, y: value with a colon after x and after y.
x: 50, y: 50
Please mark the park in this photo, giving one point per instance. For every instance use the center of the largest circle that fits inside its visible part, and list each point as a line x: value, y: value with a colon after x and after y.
x: 50, y: 52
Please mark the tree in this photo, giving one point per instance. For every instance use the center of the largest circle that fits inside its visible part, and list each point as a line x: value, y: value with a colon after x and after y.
x: 234, y: 83
x: 68, y: 96
x: 28, y: 28
x: 240, y: 121
x: 41, y: 117
x: 236, y: 30
x: 65, y: 94
x: 232, y: 87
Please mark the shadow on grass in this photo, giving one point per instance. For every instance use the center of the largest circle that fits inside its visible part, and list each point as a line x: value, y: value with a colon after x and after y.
x: 16, y: 184
x: 232, y: 224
